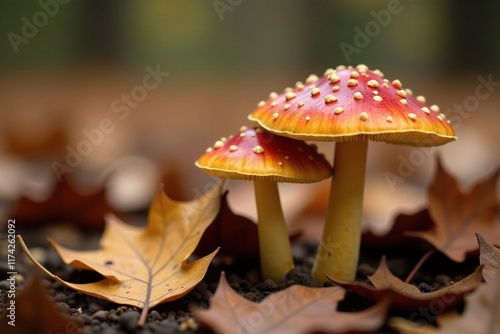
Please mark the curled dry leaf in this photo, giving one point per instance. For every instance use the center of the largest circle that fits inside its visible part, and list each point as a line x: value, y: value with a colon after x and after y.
x: 407, y: 296
x: 147, y: 266
x: 34, y: 312
x: 489, y: 256
x: 297, y: 309
x: 459, y: 215
x: 481, y: 315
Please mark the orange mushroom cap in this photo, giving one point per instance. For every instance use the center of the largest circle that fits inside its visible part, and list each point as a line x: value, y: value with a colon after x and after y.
x: 258, y: 154
x: 348, y: 104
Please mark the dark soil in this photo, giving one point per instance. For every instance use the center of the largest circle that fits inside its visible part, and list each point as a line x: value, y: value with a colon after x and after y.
x: 100, y: 316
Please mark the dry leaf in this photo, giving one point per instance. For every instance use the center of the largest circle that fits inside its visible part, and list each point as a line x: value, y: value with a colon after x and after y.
x: 407, y: 296
x: 489, y: 256
x: 297, y: 309
x: 459, y: 215
x: 65, y: 204
x: 147, y: 266
x: 419, y: 221
x: 236, y: 235
x: 35, y: 312
x: 481, y: 315
x: 35, y: 145
x: 175, y: 188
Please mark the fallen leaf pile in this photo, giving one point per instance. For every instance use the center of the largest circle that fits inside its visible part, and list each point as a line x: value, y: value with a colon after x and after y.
x: 146, y: 266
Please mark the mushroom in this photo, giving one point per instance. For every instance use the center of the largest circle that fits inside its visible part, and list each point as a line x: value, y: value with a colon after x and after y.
x: 350, y: 106
x: 256, y: 154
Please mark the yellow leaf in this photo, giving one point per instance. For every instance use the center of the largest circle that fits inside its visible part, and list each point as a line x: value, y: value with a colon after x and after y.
x: 144, y: 267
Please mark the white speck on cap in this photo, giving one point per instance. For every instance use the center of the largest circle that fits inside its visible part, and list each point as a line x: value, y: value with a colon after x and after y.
x: 338, y: 110
x: 315, y: 91
x: 352, y: 82
x: 258, y: 149
x: 396, y: 83
x: 311, y: 79
x: 358, y: 96
x: 289, y: 95
x: 330, y: 98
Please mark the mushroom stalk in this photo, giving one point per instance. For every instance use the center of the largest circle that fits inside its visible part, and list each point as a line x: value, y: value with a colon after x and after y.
x: 275, y: 251
x: 338, y: 251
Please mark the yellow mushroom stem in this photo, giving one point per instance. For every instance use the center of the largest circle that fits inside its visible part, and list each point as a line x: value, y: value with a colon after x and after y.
x: 338, y: 251
x: 274, y: 244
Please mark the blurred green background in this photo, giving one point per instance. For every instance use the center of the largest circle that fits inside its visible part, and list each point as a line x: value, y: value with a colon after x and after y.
x: 63, y: 63
x: 239, y: 36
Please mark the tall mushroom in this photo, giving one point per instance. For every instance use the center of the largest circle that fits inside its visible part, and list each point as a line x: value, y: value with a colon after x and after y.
x: 258, y: 155
x: 350, y: 106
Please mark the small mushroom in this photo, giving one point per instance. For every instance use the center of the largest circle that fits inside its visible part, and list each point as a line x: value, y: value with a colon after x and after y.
x: 257, y: 155
x: 356, y: 116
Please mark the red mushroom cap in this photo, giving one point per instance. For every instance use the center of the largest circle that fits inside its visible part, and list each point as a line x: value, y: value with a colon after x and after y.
x: 258, y: 154
x: 349, y: 104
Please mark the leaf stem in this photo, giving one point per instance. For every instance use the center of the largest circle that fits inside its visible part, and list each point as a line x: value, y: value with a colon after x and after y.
x: 142, y: 319
x: 419, y: 265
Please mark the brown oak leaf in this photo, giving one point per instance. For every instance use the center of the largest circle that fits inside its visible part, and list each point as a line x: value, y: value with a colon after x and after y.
x: 65, y: 204
x: 459, y: 215
x: 489, y: 256
x: 407, y: 296
x: 32, y: 311
x: 481, y: 315
x: 297, y: 309
x: 144, y: 267
x: 237, y: 236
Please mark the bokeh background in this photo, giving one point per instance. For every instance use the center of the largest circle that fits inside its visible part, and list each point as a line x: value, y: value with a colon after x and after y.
x: 63, y: 65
